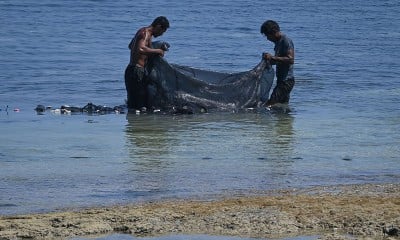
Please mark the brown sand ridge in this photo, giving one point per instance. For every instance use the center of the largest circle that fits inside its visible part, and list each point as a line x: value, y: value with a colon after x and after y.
x: 335, y: 212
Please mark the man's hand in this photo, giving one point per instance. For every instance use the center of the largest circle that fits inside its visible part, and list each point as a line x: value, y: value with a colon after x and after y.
x: 161, y: 53
x: 165, y: 46
x: 267, y: 56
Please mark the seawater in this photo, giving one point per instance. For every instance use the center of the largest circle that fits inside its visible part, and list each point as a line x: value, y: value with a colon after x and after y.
x: 343, y: 129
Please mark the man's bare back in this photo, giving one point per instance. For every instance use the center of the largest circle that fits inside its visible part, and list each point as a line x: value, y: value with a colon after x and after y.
x: 141, y: 46
x: 141, y: 37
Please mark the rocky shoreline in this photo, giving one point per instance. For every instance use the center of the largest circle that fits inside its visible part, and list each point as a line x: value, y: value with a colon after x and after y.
x: 332, y: 212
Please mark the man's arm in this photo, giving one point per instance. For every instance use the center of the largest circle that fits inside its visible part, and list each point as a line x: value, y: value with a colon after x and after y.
x: 144, y: 46
x: 288, y: 59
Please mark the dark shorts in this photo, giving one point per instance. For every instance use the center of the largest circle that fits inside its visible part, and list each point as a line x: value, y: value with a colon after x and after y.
x: 136, y: 86
x: 281, y: 93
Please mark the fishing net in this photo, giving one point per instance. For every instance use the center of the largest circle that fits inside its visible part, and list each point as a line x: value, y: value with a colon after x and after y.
x: 175, y: 87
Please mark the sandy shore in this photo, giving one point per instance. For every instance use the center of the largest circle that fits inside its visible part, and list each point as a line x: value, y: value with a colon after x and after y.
x: 335, y: 212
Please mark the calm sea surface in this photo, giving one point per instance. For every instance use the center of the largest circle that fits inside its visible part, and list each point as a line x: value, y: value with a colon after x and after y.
x: 344, y: 127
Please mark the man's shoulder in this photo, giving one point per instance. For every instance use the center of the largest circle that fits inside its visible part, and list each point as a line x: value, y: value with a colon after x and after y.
x: 142, y: 32
x: 285, y: 40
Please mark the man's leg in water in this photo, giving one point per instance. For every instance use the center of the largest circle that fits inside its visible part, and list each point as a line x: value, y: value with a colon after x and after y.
x: 136, y: 87
x: 281, y: 92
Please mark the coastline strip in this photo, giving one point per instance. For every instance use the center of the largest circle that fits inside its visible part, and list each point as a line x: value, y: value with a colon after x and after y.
x: 332, y: 212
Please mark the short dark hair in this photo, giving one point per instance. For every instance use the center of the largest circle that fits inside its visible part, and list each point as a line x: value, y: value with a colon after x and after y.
x: 161, y: 20
x: 269, y: 27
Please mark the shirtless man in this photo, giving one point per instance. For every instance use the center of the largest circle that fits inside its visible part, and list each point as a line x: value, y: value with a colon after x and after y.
x: 283, y: 59
x: 135, y: 73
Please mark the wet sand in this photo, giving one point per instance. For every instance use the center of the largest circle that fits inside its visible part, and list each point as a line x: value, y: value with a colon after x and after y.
x: 334, y: 212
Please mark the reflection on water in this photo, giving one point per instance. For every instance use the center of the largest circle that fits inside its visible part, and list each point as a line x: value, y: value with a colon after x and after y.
x: 147, y: 140
x: 148, y: 135
x: 208, y: 153
x: 157, y: 135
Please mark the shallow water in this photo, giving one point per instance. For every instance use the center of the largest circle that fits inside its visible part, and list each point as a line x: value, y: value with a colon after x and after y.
x: 343, y: 128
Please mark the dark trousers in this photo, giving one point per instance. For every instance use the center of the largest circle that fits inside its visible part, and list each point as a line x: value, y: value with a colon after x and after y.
x: 136, y: 87
x: 281, y: 92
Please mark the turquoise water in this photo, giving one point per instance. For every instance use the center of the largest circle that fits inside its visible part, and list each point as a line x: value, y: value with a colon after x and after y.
x: 343, y: 128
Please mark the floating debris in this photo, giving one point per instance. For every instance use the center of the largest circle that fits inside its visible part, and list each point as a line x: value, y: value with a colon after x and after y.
x: 89, y: 108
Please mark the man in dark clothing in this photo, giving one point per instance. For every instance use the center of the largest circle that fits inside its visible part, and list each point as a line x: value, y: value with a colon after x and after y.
x: 141, y: 49
x: 283, y: 59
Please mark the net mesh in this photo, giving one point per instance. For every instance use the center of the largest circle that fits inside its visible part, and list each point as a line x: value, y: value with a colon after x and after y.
x: 173, y: 86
